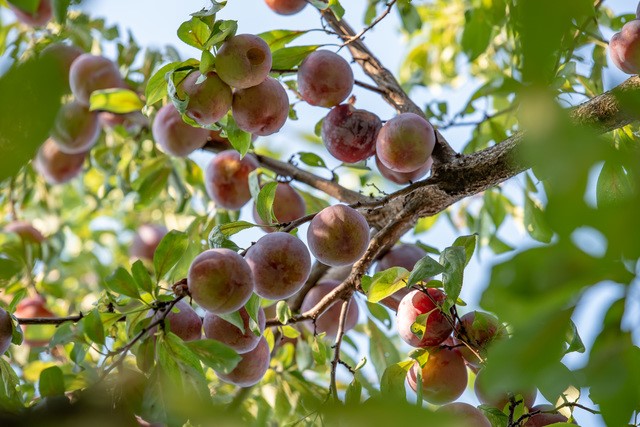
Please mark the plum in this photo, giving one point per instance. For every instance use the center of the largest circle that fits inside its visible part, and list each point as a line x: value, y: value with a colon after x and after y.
x: 325, y: 79
x: 444, y: 376
x: 216, y: 328
x: 64, y: 55
x: 146, y: 240
x: 624, y: 48
x: 220, y: 281
x: 280, y: 263
x: 404, y: 177
x: 182, y: 321
x: 288, y: 205
x: 251, y: 368
x: 34, y: 307
x: 89, y: 73
x: 405, y: 143
x: 227, y: 179
x: 286, y: 7
x: 209, y: 100
x: 261, y: 110
x: 544, y: 419
x: 492, y: 395
x: 404, y: 255
x: 469, y: 416
x: 174, y: 136
x: 76, y: 129
x: 329, y: 320
x: 25, y: 230
x: 479, y: 330
x: 40, y: 17
x: 55, y: 166
x: 243, y: 61
x: 338, y: 235
x: 350, y: 134
x: 413, y: 305
x: 6, y: 331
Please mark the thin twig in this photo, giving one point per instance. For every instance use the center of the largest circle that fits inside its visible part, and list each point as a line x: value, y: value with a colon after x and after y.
x: 370, y: 26
x: 336, y: 348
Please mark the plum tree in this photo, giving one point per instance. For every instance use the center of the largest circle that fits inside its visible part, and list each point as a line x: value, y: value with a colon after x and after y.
x: 338, y: 235
x: 217, y: 328
x: 280, y: 264
x: 6, y: 330
x: 174, y: 136
x: 251, y: 368
x: 25, y: 230
x: 243, y: 61
x: 209, y: 100
x: 261, y: 109
x: 220, y: 281
x: 444, y: 376
x: 89, y: 73
x: 288, y: 205
x: 468, y: 416
x: 40, y: 17
x: 349, y: 134
x: 624, y: 48
x: 404, y: 177
x: 182, y: 320
x: 76, y: 129
x: 544, y: 419
x: 325, y: 79
x: 146, y: 240
x: 418, y: 303
x: 328, y: 321
x: 405, y: 143
x: 227, y: 179
x: 479, y: 330
x: 494, y: 394
x: 286, y: 7
x: 55, y: 166
x: 404, y: 255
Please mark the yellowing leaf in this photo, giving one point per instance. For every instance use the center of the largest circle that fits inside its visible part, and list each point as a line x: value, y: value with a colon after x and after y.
x: 119, y: 101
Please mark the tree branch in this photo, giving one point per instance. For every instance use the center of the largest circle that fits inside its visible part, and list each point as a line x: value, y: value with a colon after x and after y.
x: 373, y: 24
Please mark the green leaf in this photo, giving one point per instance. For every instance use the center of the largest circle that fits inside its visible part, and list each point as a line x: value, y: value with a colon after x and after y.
x: 290, y: 57
x: 424, y: 269
x: 122, y: 283
x: 411, y: 21
x: 9, y: 268
x: 142, y: 277
x: 206, y: 62
x: 92, y: 326
x: 10, y: 395
x: 614, y: 185
x: 453, y: 261
x: 312, y: 159
x: 51, y: 382
x: 386, y: 283
x: 253, y: 309
x: 157, y: 85
x: 496, y: 417
x: 383, y: 352
x: 182, y: 367
x: 60, y: 8
x: 354, y: 393
x: 535, y: 222
x: 477, y: 33
x: 239, y: 139
x: 235, y: 318
x: 222, y: 30
x: 283, y: 312
x: 119, y: 101
x: 215, y: 355
x: 393, y: 380
x: 264, y: 202
x: 574, y: 340
x: 221, y: 233
x: 277, y: 39
x: 337, y: 8
x: 380, y: 313
x: 16, y: 331
x: 169, y: 251
x: 194, y: 32
x: 469, y: 244
x: 29, y: 6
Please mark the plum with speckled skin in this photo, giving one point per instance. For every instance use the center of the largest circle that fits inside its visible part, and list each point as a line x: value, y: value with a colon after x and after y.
x: 174, y: 136
x: 480, y: 333
x: 288, y: 205
x: 325, y: 79
x: 468, y: 416
x: 350, y: 134
x: 286, y: 7
x: 216, y: 328
x: 444, y: 376
x: 280, y: 263
x: 35, y: 19
x: 6, y: 331
x: 209, y: 100
x: 76, y: 129
x: 493, y: 397
x: 89, y: 73
x: 329, y: 320
x: 227, y: 179
x: 220, y: 281
x: 405, y: 143
x: 243, y: 61
x: 413, y: 305
x: 55, y: 166
x: 250, y: 370
x: 182, y: 321
x: 624, y: 48
x: 261, y: 110
x: 403, y: 178
x: 338, y: 235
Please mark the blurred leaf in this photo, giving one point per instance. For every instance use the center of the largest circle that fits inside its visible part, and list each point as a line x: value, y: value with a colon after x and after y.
x: 119, y: 101
x: 169, y: 251
x: 122, y: 283
x: 411, y: 21
x: 51, y: 382
x: 574, y: 340
x: 614, y: 185
x: 383, y: 352
x: 10, y: 396
x: 386, y: 283
x: 29, y: 6
x: 290, y: 57
x: 312, y: 159
x: 353, y: 393
x: 379, y: 312
x: 214, y: 354
x: 393, y: 380
x: 535, y: 222
x: 496, y: 417
x: 60, y: 8
x: 477, y: 33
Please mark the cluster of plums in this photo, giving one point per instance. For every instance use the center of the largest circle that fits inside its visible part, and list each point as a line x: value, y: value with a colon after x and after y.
x: 624, y: 47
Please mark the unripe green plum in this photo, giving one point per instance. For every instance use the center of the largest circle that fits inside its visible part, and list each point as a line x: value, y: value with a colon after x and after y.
x: 329, y: 321
x: 251, y: 368
x: 404, y: 177
x: 338, y: 235
x: 76, y: 129
x: 6, y: 331
x: 55, y: 166
x: 261, y: 110
x: 220, y: 281
x: 209, y: 100
x: 34, y: 307
x: 405, y: 143
x: 349, y: 134
x: 174, y: 136
x: 216, y: 328
x: 468, y: 416
x: 286, y: 7
x: 25, y: 230
x: 280, y: 263
x: 182, y: 320
x: 89, y: 73
x: 404, y: 255
x: 243, y: 61
x: 480, y: 331
x: 444, y: 376
x: 540, y: 420
x: 325, y: 79
x: 413, y: 305
x: 35, y: 19
x: 624, y: 48
x: 494, y: 395
x: 227, y: 179
x: 288, y: 205
x: 146, y: 240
